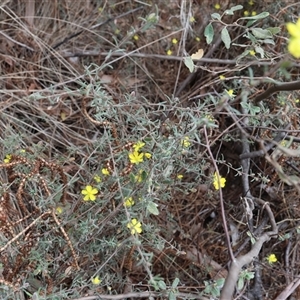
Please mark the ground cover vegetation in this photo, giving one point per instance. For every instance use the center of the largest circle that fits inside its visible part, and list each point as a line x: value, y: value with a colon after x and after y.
x: 149, y: 149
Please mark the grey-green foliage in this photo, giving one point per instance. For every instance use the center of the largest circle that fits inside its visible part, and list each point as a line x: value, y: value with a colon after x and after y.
x: 256, y: 35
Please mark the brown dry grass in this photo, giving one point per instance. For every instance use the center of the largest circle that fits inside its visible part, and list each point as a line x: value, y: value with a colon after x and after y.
x: 42, y: 89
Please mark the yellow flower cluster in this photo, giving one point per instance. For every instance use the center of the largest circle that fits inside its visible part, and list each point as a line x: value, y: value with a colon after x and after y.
x: 136, y: 156
x: 252, y: 52
x: 272, y: 258
x: 134, y: 226
x: 128, y: 202
x: 186, y: 142
x: 169, y: 52
x: 247, y: 13
x: 218, y: 182
x: 230, y: 93
x: 294, y: 41
x: 96, y: 280
x: 7, y: 158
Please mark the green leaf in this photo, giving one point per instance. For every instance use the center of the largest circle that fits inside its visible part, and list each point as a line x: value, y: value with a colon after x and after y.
x: 253, y: 19
x: 233, y: 9
x: 161, y: 284
x: 172, y: 296
x: 240, y: 283
x: 216, y: 16
x: 237, y: 7
x: 249, y: 275
x: 274, y: 30
x: 189, y: 63
x: 225, y: 37
x: 209, y: 33
x: 257, y: 17
x: 175, y: 283
x: 215, y: 291
x: 261, y: 33
x: 152, y: 208
x: 228, y: 12
x: 220, y: 282
x: 260, y: 51
x: 268, y: 41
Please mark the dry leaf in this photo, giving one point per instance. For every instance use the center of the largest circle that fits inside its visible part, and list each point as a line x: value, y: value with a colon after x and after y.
x: 198, y: 54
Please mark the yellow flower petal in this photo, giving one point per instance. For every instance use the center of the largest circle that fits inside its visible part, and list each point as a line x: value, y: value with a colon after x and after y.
x: 7, y: 158
x: 97, y: 178
x: 135, y: 226
x: 148, y: 155
x: 89, y: 193
x: 129, y: 202
x: 294, y: 47
x: 136, y: 157
x: 230, y: 93
x: 96, y: 280
x: 139, y: 145
x: 272, y: 258
x: 294, y: 29
x: 186, y: 142
x: 218, y: 182
x: 105, y: 171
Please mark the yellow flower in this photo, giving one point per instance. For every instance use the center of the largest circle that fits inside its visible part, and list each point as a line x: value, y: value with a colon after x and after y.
x: 197, y: 39
x: 218, y: 181
x: 246, y: 13
x: 59, y: 210
x: 179, y: 176
x: 174, y: 41
x: 136, y: 37
x: 96, y: 280
x: 138, y: 146
x: 97, y: 178
x: 186, y: 142
x: 192, y: 19
x: 136, y: 157
x: 117, y: 31
x: 230, y: 93
x: 105, y: 171
x: 148, y: 155
x: 251, y: 2
x: 271, y: 258
x: 253, y: 13
x: 294, y: 47
x: 252, y: 52
x: 283, y: 143
x: 294, y: 29
x: 7, y: 158
x: 89, y: 193
x: 128, y: 202
x: 169, y: 52
x: 222, y: 77
x: 209, y: 117
x: 297, y: 100
x: 135, y: 226
x: 217, y: 6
